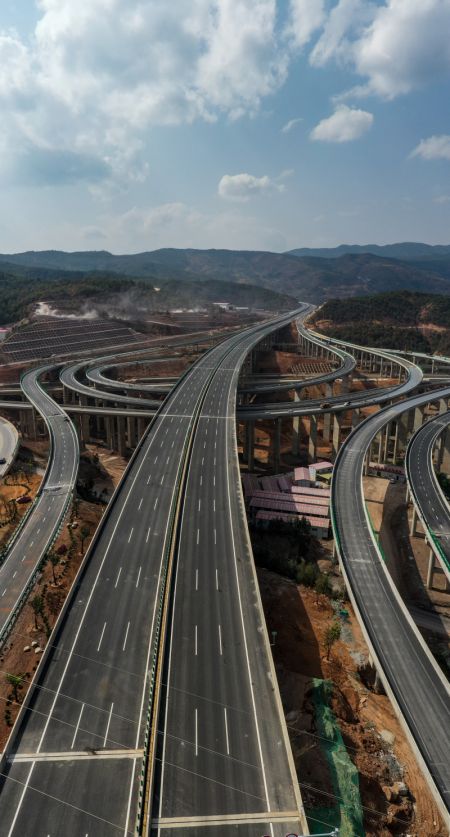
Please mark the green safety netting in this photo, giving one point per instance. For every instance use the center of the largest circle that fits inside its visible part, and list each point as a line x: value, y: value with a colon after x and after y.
x: 346, y: 813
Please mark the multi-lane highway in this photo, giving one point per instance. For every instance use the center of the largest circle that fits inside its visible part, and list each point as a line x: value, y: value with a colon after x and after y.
x: 84, y: 727
x: 32, y: 540
x: 425, y: 490
x: 411, y: 677
x: 222, y: 750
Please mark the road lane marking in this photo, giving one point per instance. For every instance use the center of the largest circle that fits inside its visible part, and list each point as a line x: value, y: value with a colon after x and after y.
x: 76, y: 728
x: 215, y: 536
x: 148, y: 534
x: 139, y: 575
x: 4, y: 591
x: 226, y: 730
x: 117, y: 579
x: 217, y: 579
x: 131, y: 534
x: 156, y: 503
x: 196, y: 641
x: 101, y: 637
x: 220, y: 641
x: 196, y: 732
x: 162, y: 479
x: 107, y: 726
x: 196, y: 579
x: 199, y: 504
x: 198, y: 536
x: 126, y: 637
x: 140, y: 504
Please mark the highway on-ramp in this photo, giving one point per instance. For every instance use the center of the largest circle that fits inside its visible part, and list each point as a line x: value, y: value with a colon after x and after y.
x: 9, y: 443
x: 427, y: 494
x: 410, y: 675
x: 32, y: 539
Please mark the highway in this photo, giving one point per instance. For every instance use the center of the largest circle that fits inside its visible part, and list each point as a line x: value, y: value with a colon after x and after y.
x: 426, y: 492
x: 222, y: 751
x: 411, y: 676
x: 68, y: 377
x: 83, y: 729
x: 9, y: 443
x: 32, y: 540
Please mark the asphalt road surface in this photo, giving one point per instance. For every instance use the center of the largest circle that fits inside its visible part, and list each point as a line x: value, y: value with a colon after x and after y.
x: 77, y: 755
x: 33, y: 540
x: 425, y: 487
x: 405, y: 663
x: 8, y: 445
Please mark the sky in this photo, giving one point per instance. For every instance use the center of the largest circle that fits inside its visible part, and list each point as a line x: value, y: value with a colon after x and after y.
x: 128, y: 125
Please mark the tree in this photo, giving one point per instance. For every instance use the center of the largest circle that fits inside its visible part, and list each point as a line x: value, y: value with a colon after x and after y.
x: 84, y: 533
x: 322, y: 585
x: 332, y: 634
x: 54, y: 561
x: 15, y: 680
x: 37, y: 606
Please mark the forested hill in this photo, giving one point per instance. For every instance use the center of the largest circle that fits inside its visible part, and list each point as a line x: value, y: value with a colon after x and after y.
x: 309, y: 278
x: 405, y: 320
x: 106, y: 292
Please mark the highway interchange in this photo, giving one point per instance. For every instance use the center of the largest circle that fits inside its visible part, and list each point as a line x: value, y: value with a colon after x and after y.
x: 93, y: 689
x: 220, y: 741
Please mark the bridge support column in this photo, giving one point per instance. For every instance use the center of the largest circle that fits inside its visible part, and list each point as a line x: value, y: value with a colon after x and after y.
x: 326, y: 427
x: 418, y: 418
x: 276, y: 451
x: 404, y: 427
x: 131, y: 432
x: 249, y: 444
x: 356, y: 417
x: 109, y: 432
x: 413, y: 526
x: 121, y: 446
x: 140, y: 428
x: 337, y: 424
x: 296, y: 428
x: 312, y: 440
x: 430, y: 570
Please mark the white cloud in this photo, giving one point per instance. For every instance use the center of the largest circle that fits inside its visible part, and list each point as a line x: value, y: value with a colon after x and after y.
x: 442, y: 199
x: 242, y: 187
x: 398, y: 46
x: 306, y: 16
x: 345, y: 20
x: 98, y: 73
x: 291, y: 124
x: 433, y: 148
x: 344, y: 125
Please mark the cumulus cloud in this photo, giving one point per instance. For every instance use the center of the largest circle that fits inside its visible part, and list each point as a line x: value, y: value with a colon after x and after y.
x: 344, y: 125
x: 242, y: 187
x: 291, y: 124
x: 433, y: 148
x: 98, y: 73
x: 306, y: 16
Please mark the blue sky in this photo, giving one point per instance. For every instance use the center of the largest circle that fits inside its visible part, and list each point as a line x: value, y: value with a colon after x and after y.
x: 135, y: 124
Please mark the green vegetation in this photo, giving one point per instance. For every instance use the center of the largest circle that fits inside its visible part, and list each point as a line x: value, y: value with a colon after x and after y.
x: 404, y: 320
x: 345, y: 810
x: 332, y: 634
x: 20, y: 288
x: 308, y: 278
x: 290, y: 549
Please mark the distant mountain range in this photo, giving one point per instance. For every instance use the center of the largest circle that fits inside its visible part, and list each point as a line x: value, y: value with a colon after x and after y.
x: 407, y: 251
x: 311, y: 275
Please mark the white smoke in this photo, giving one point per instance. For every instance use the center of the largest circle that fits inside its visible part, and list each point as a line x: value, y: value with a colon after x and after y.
x: 44, y: 310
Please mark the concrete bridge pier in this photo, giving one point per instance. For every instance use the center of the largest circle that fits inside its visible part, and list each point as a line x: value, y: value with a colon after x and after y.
x: 337, y: 425
x: 276, y: 445
x: 249, y: 444
x: 121, y: 440
x: 413, y: 525
x: 326, y: 427
x: 418, y: 418
x: 312, y: 439
x: 109, y: 427
x: 295, y: 447
x: 131, y: 432
x: 141, y: 425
